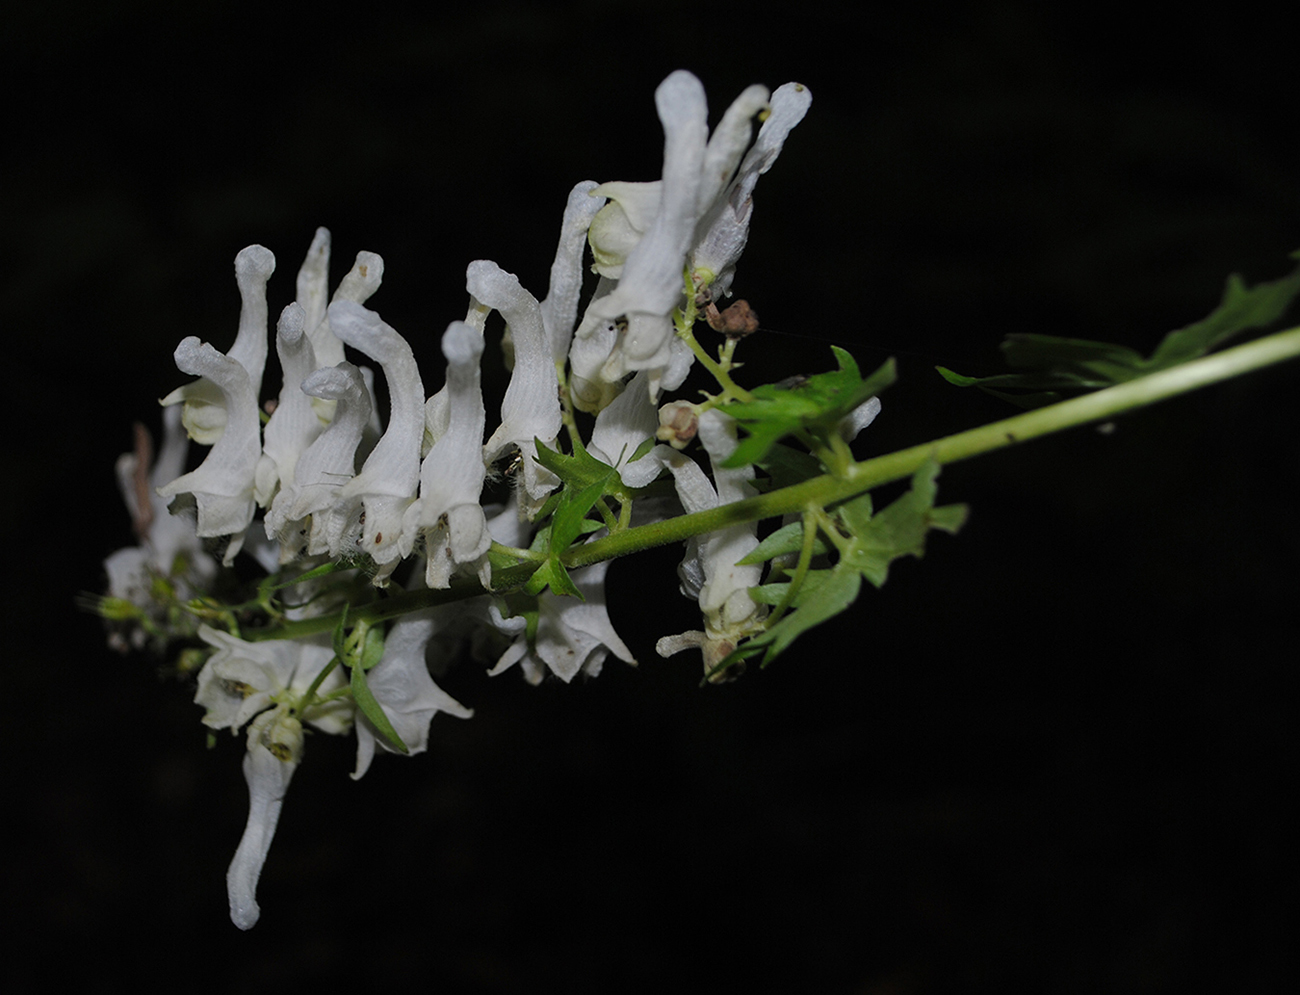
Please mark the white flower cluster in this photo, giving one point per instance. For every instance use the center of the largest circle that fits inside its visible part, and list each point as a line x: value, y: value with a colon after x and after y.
x: 331, y: 484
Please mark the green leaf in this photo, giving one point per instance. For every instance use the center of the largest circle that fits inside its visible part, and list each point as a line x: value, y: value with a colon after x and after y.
x: 824, y: 594
x: 786, y: 539
x: 1241, y: 308
x: 552, y: 574
x: 586, y: 480
x: 816, y: 403
x: 787, y: 466
x: 1052, y: 364
x: 899, y: 529
x: 371, y: 710
x: 579, y: 470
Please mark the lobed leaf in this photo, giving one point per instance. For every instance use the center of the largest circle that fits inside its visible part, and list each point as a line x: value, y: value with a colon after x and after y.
x: 816, y: 403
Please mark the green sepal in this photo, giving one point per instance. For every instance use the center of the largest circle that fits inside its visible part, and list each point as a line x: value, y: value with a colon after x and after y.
x: 815, y: 404
x: 371, y: 710
x: 372, y: 651
x: 646, y: 445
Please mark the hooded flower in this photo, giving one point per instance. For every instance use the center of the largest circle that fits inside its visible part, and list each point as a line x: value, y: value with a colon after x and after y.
x: 326, y: 465
x: 205, y: 402
x: 293, y: 425
x: 262, y: 682
x: 388, y: 481
x: 560, y: 309
x: 222, y: 487
x: 401, y: 684
x: 710, y: 573
x: 693, y: 220
x: 572, y: 636
x: 448, y: 512
x: 531, y: 407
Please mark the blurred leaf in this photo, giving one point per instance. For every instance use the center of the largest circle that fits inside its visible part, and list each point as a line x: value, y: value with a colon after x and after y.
x: 1053, y: 364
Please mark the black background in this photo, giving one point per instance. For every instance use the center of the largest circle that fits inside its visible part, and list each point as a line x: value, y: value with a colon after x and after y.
x: 1049, y: 757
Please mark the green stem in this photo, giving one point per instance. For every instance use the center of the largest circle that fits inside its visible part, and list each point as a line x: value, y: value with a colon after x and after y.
x: 856, y: 479
x: 864, y: 476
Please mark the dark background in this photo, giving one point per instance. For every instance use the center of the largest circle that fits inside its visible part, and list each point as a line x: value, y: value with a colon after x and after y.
x: 1049, y: 757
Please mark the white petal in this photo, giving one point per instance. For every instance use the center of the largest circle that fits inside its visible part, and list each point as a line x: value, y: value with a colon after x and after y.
x: 222, y: 487
x: 388, y: 481
x: 574, y: 635
x: 313, y: 296
x: 724, y: 229
x: 268, y: 779
x: 560, y: 309
x: 204, y: 413
x: 651, y: 284
x: 293, y: 425
x: 401, y: 684
x: 622, y: 427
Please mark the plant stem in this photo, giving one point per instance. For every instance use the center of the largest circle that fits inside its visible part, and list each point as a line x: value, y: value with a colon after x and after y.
x: 861, y: 477
x: 857, y: 478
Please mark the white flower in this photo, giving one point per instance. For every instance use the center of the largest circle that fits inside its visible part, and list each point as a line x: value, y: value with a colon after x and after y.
x: 205, y: 410
x: 560, y: 309
x: 621, y: 428
x: 263, y: 682
x: 448, y: 512
x: 168, y: 546
x: 222, y: 487
x: 695, y: 219
x: 243, y: 678
x: 710, y: 573
x: 293, y: 425
x: 573, y: 636
x: 400, y: 682
x: 650, y: 279
x: 274, y: 749
x: 531, y: 407
x: 326, y: 465
x: 388, y: 481
x: 724, y: 229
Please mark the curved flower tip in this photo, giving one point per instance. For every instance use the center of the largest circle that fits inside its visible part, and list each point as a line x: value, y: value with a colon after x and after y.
x: 312, y: 284
x: 204, y: 412
x: 388, y: 481
x: 253, y: 268
x: 274, y: 748
x: 560, y: 309
x: 451, y: 478
x: 222, y: 486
